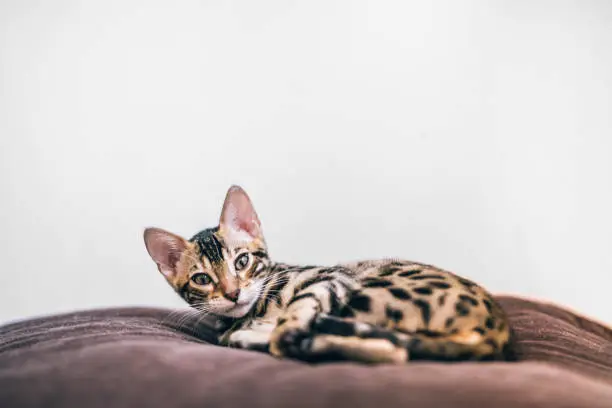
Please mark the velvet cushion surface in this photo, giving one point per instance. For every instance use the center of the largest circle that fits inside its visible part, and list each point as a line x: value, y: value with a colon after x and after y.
x: 148, y: 357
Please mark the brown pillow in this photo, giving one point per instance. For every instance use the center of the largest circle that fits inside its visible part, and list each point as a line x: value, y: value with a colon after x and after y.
x: 144, y: 357
x: 546, y: 332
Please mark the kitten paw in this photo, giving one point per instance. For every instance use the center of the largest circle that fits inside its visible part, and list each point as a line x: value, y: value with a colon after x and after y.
x: 246, y: 339
x: 291, y: 340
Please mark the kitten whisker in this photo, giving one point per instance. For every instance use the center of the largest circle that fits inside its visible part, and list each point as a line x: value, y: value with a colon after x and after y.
x: 179, y: 318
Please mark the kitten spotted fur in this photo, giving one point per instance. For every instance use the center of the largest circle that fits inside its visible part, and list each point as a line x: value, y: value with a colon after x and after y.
x: 383, y: 311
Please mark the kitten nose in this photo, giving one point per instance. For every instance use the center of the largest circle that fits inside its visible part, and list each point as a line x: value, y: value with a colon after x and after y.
x: 233, y: 295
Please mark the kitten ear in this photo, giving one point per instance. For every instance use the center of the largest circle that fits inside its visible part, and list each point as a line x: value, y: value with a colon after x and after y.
x: 239, y: 220
x: 165, y: 249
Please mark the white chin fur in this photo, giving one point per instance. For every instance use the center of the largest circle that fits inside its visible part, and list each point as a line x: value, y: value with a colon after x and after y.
x: 237, y: 311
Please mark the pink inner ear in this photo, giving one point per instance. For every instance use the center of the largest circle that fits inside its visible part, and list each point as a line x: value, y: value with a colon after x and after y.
x: 238, y: 212
x: 164, y: 248
x: 249, y: 226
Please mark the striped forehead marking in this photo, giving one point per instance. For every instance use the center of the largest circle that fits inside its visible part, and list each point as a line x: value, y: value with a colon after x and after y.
x: 209, y: 245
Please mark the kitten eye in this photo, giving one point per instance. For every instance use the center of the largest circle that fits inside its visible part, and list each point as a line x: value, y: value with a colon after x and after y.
x: 241, y: 262
x: 201, y: 279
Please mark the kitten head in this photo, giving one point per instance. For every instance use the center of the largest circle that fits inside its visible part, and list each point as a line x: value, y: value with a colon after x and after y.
x: 219, y: 269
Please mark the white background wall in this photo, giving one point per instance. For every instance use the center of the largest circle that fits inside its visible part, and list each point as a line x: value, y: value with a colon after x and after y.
x: 472, y: 135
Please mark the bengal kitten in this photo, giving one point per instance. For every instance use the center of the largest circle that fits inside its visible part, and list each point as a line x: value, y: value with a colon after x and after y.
x: 383, y: 311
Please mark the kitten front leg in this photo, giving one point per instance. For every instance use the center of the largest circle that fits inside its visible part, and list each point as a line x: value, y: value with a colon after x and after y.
x: 319, y: 294
x: 256, y: 337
